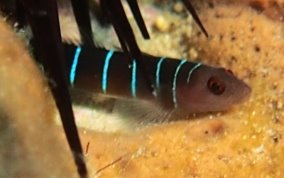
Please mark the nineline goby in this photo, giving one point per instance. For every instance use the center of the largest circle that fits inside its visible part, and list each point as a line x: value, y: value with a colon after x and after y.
x: 181, y: 85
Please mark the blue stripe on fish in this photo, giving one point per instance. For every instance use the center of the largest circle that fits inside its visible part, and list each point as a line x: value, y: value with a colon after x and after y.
x: 105, y: 70
x: 158, y: 68
x: 175, y: 82
x: 133, y: 78
x: 72, y: 74
x: 192, y: 70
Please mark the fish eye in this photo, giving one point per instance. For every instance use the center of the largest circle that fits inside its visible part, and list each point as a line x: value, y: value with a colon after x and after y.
x: 215, y: 85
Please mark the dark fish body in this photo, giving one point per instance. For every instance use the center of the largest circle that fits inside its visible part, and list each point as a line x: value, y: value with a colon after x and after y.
x: 177, y: 84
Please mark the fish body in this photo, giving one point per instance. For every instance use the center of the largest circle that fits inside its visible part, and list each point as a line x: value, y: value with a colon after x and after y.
x: 176, y: 84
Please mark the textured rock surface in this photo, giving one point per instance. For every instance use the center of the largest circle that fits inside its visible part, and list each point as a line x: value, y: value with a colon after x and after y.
x: 29, y: 145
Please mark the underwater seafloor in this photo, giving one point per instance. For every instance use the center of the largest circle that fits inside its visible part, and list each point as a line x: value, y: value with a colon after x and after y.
x: 246, y: 141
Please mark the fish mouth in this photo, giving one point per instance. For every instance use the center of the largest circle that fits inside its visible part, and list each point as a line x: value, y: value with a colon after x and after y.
x: 245, y: 94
